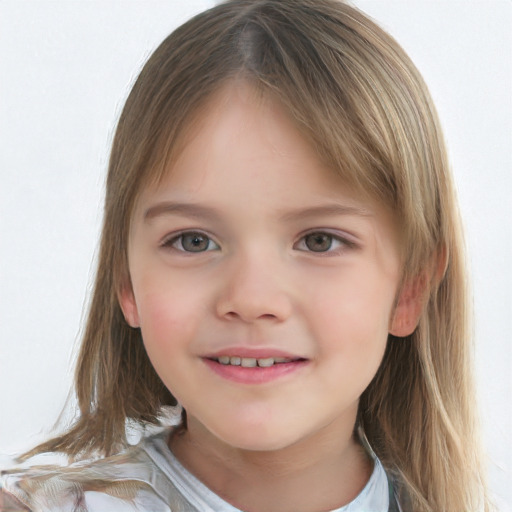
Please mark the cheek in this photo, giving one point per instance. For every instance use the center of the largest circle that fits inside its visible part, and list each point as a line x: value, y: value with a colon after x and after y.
x: 352, y: 335
x: 168, y: 324
x: 168, y: 317
x: 351, y: 320
x: 355, y: 300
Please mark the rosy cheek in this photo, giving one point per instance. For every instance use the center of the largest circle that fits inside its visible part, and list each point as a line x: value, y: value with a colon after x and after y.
x: 166, y: 317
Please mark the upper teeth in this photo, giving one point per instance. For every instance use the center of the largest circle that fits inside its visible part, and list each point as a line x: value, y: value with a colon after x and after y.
x: 251, y: 362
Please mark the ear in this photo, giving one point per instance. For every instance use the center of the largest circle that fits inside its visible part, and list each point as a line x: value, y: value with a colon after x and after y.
x: 128, y: 305
x: 409, y: 306
x: 414, y: 293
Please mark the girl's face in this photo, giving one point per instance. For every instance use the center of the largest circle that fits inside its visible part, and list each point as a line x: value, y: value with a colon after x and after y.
x: 263, y: 287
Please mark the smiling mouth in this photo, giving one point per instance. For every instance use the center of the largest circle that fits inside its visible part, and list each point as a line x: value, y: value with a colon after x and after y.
x: 252, y: 362
x: 255, y: 370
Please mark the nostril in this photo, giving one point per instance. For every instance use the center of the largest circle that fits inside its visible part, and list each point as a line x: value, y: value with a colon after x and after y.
x: 268, y: 315
x: 232, y: 315
x: 248, y: 305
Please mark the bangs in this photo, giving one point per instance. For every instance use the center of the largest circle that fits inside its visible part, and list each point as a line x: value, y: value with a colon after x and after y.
x: 348, y: 86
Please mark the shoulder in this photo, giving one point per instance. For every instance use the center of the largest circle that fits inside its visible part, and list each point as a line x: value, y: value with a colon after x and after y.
x: 119, y: 483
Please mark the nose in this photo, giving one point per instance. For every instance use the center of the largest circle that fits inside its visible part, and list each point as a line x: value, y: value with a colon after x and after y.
x: 254, y: 289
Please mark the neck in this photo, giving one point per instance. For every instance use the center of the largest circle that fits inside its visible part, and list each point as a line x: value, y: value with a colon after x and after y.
x: 322, y: 472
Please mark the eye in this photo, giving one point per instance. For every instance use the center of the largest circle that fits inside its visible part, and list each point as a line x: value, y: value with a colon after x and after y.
x: 191, y: 241
x: 320, y: 241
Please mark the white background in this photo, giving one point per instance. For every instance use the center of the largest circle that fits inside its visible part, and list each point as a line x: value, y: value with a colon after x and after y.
x: 65, y: 69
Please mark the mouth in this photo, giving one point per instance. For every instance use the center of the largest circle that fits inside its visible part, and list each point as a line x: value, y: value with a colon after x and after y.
x: 254, y: 370
x: 253, y: 362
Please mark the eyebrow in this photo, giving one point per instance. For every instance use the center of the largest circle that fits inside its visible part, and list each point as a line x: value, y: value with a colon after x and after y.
x: 327, y: 209
x: 199, y: 211
x: 184, y: 209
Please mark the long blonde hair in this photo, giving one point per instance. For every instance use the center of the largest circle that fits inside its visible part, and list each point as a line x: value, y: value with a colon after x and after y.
x: 355, y: 94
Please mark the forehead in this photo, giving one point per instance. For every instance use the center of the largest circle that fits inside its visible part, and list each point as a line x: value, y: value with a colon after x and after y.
x: 242, y: 137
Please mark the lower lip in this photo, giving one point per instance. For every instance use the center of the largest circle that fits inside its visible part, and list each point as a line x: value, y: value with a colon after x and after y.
x: 255, y: 375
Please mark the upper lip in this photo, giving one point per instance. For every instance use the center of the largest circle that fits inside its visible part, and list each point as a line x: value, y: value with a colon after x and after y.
x: 253, y: 352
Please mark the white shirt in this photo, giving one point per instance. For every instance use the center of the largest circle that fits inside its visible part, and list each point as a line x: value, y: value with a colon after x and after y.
x: 147, y: 477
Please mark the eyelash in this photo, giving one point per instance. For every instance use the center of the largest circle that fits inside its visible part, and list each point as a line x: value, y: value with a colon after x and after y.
x: 170, y: 242
x: 340, y: 243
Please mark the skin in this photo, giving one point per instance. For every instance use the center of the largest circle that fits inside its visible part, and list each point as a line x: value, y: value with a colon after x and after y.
x: 286, y: 444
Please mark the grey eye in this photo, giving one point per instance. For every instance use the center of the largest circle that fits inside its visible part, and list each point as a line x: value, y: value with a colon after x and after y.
x: 318, y: 242
x: 192, y: 241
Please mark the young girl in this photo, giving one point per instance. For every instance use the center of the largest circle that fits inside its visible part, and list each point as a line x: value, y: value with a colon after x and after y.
x: 281, y: 263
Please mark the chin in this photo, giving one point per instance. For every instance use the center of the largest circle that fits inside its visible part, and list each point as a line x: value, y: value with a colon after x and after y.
x: 258, y: 439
